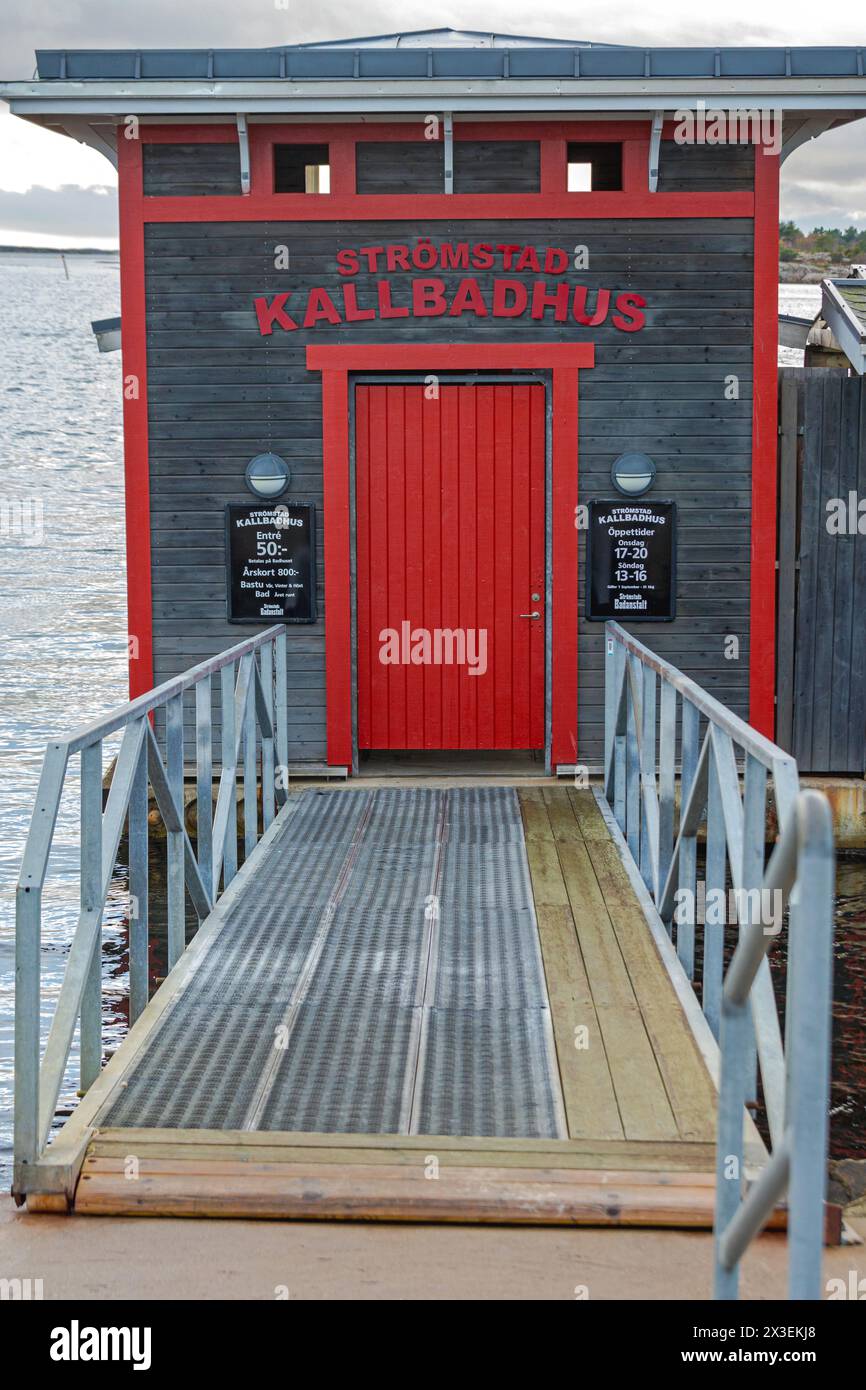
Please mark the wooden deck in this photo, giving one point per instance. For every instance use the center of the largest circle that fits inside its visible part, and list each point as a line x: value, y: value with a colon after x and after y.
x: 633, y: 1071
x: 638, y: 1100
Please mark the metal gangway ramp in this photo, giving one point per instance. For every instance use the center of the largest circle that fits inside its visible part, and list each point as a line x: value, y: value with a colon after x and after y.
x: 440, y: 1001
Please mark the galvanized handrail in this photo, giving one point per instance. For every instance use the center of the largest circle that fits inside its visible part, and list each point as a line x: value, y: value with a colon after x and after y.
x: 253, y: 705
x: 641, y: 745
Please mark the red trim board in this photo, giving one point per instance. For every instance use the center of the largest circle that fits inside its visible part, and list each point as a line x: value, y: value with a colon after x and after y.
x: 135, y: 441
x: 397, y: 207
x: 762, y: 625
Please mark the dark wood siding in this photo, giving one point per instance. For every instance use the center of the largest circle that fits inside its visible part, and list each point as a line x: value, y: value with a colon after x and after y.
x: 822, y: 632
x: 190, y: 170
x: 219, y: 393
x: 497, y: 166
x: 706, y: 168
x: 399, y: 166
x: 418, y: 166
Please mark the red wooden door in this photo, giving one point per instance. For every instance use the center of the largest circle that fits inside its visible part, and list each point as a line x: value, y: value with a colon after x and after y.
x: 450, y: 551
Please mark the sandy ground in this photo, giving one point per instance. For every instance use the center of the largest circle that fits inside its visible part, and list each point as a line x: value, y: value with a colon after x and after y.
x: 151, y: 1258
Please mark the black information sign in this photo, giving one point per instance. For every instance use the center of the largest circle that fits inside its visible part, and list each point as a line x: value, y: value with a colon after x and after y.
x: 271, y: 562
x: 632, y: 561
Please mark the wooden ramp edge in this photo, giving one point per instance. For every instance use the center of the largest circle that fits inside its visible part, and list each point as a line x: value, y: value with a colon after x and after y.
x: 395, y: 1192
x: 395, y: 1178
x: 398, y: 1178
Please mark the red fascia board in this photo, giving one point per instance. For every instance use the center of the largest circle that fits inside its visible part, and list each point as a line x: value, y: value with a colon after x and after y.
x: 319, y: 132
x: 185, y: 134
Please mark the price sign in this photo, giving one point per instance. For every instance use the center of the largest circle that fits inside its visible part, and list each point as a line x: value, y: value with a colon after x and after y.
x: 271, y: 562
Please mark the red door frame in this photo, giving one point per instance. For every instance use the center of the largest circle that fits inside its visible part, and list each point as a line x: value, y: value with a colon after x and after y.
x: 335, y: 362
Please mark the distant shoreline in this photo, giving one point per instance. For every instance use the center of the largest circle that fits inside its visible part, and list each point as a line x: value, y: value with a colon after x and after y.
x: 809, y: 273
x: 63, y: 250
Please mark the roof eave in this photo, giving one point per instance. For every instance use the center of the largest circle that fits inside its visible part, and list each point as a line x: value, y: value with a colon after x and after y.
x: 271, y: 96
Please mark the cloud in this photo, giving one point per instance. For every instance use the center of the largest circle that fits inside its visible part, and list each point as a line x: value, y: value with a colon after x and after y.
x: 69, y: 211
x: 824, y: 182
x: 225, y: 23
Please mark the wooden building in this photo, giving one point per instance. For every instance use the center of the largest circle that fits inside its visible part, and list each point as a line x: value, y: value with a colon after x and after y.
x: 450, y: 282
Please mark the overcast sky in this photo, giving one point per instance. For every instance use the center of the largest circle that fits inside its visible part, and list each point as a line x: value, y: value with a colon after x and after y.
x: 54, y: 192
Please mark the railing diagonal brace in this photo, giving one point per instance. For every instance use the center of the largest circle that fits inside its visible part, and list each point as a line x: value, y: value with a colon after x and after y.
x: 620, y: 724
x: 172, y: 815
x: 690, y: 818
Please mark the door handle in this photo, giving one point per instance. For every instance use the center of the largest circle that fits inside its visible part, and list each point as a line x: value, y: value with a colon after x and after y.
x: 534, y: 616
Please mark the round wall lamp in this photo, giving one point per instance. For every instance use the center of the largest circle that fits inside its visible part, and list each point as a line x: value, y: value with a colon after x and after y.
x: 633, y: 474
x: 267, y: 475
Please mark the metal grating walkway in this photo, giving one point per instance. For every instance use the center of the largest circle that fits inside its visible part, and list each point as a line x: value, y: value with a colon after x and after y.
x: 380, y: 973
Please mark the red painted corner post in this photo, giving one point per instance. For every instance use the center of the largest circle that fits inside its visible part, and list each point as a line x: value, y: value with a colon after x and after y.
x: 563, y: 713
x: 762, y: 625
x: 135, y: 445
x: 338, y: 591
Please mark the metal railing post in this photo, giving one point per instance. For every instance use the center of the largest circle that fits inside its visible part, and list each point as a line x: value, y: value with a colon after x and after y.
x: 91, y: 902
x: 667, y: 776
x: 688, y: 874
x: 714, y: 917
x: 139, y: 934
x: 620, y: 741
x: 754, y: 831
x: 611, y: 692
x: 268, y: 774
x: 282, y: 698
x: 648, y: 849
x: 808, y: 1082
x: 204, y: 779
x: 734, y: 1044
x: 248, y: 724
x: 176, y: 894
x: 229, y: 771
x: 632, y: 773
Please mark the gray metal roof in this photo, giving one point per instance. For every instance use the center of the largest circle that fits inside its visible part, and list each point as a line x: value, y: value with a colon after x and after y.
x: 375, y: 58
x: 452, y: 38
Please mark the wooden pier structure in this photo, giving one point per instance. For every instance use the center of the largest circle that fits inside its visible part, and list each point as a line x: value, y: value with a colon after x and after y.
x: 446, y: 1001
x: 611, y: 1122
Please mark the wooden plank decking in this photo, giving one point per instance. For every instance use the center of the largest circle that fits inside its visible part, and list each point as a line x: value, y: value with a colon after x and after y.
x: 639, y: 1102
x: 633, y: 1071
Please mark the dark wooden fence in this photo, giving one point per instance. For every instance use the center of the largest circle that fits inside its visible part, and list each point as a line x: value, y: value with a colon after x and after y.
x: 821, y: 650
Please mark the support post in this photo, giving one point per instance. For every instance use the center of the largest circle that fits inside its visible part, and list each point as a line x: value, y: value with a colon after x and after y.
x: 174, y: 838
x: 229, y: 762
x: 204, y: 780
x: 691, y: 725
x: 91, y: 901
x: 667, y: 777
x: 809, y: 1004
x: 251, y: 809
x: 138, y: 889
